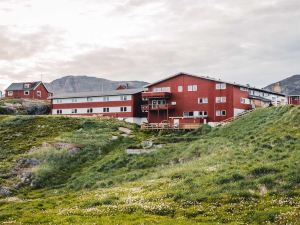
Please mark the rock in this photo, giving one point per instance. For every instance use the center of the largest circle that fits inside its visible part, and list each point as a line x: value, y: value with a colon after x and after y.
x: 139, y: 151
x: 125, y: 130
x: 147, y: 144
x: 4, y: 191
x: 113, y: 138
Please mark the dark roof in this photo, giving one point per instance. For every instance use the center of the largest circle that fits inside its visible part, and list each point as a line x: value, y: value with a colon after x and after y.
x: 20, y: 86
x: 212, y: 79
x: 294, y: 93
x: 97, y: 94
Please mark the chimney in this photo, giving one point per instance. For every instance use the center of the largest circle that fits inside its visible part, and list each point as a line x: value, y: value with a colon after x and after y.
x: 276, y: 88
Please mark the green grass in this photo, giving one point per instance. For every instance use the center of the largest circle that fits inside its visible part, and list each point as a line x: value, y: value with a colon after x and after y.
x: 244, y: 173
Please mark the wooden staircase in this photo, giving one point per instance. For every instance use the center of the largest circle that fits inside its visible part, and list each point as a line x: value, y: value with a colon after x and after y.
x: 229, y: 120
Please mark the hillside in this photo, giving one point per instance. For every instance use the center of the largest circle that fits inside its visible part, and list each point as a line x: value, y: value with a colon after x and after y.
x: 57, y: 170
x: 69, y: 84
x: 289, y: 86
x: 24, y: 107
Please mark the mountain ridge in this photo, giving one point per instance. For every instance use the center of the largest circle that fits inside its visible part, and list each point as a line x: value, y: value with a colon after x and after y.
x: 84, y: 83
x: 288, y: 86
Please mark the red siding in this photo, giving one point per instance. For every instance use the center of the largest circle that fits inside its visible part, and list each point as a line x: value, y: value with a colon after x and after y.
x: 32, y: 93
x: 188, y: 100
x: 294, y: 100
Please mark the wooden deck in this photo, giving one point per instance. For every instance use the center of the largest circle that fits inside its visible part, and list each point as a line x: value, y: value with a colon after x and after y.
x: 167, y: 126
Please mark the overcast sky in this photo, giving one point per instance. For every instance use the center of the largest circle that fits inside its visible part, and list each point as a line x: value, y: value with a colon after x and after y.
x: 256, y: 41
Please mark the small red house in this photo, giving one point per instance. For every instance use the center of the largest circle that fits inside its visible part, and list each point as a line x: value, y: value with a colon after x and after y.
x: 28, y: 90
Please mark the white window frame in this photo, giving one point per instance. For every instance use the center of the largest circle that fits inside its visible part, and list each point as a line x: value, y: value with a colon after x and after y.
x: 221, y: 113
x: 245, y: 101
x: 220, y: 86
x: 74, y: 111
x: 123, y: 97
x: 74, y: 100
x: 221, y: 99
x: 192, y: 87
x: 26, y: 92
x: 180, y: 88
x: 39, y: 93
x: 123, y: 109
x: 106, y: 110
x: 58, y: 100
x: 162, y: 89
x: 90, y: 110
x: 244, y: 89
x: 10, y: 93
x: 203, y: 100
x: 203, y: 113
x: 59, y: 111
x: 89, y: 99
x: 26, y: 85
x: 188, y: 116
x: 106, y: 98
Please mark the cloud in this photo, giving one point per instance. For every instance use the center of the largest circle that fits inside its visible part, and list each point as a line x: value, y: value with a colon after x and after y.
x: 256, y: 42
x: 15, y: 46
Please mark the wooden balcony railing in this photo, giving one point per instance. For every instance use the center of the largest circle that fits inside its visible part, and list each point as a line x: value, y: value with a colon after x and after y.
x: 146, y: 108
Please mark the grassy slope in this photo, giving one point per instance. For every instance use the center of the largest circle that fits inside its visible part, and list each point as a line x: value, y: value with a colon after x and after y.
x: 246, y: 172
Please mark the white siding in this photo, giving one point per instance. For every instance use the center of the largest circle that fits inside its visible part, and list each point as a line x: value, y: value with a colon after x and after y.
x: 95, y: 110
x: 92, y: 99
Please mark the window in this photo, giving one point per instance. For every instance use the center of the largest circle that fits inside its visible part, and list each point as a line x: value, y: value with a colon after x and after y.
x: 26, y: 92
x: 203, y: 113
x: 245, y: 101
x: 202, y: 100
x: 221, y: 113
x: 173, y: 103
x: 26, y: 85
x: 74, y: 99
x: 162, y: 89
x: 220, y: 86
x: 89, y: 99
x: 39, y: 93
x: 105, y: 109
x: 180, y: 88
x: 106, y: 98
x: 124, y: 98
x: 90, y: 110
x: 74, y: 111
x: 10, y: 93
x: 59, y: 111
x: 220, y: 99
x: 243, y: 89
x: 58, y: 100
x: 188, y: 114
x: 192, y: 87
x: 123, y: 109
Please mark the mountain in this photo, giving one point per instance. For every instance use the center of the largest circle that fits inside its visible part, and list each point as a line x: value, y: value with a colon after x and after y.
x: 87, y: 83
x: 60, y: 170
x: 288, y: 86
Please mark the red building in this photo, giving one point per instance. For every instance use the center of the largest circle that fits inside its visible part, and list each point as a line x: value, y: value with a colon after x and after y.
x: 28, y: 90
x: 294, y: 99
x: 123, y: 104
x: 190, y: 99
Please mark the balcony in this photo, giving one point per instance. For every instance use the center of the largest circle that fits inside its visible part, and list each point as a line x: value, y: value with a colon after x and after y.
x: 146, y: 108
x: 148, y: 95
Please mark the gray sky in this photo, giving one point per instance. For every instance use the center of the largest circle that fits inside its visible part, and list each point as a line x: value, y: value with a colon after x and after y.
x: 256, y: 42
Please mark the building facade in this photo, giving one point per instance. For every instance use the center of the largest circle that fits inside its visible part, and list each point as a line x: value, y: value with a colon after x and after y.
x: 294, y: 99
x: 28, y: 90
x: 186, y: 99
x: 122, y: 104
